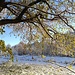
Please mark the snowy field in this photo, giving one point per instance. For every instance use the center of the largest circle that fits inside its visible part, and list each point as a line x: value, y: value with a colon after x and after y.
x: 26, y: 65
x: 39, y: 60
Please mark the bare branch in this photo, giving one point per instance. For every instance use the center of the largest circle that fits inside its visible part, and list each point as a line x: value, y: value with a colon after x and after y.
x: 66, y: 23
x: 44, y: 28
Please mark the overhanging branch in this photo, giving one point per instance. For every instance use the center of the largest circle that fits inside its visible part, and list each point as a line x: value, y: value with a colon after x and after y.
x: 11, y: 21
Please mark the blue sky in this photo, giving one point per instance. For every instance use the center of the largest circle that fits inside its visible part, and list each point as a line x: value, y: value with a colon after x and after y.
x: 9, y: 39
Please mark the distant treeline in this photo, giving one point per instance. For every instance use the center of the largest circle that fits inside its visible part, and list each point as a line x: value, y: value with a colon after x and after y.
x: 62, y: 46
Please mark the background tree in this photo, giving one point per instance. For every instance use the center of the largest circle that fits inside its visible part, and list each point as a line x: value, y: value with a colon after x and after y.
x: 6, y: 50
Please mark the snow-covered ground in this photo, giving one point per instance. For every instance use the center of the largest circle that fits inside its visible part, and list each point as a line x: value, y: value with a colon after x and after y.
x: 26, y: 65
x: 39, y: 60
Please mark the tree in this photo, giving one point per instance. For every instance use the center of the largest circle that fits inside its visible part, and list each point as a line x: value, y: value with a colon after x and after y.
x: 65, y: 44
x: 5, y: 49
x: 8, y: 46
x: 2, y: 46
x: 48, y: 18
x: 38, y: 12
x: 32, y: 19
